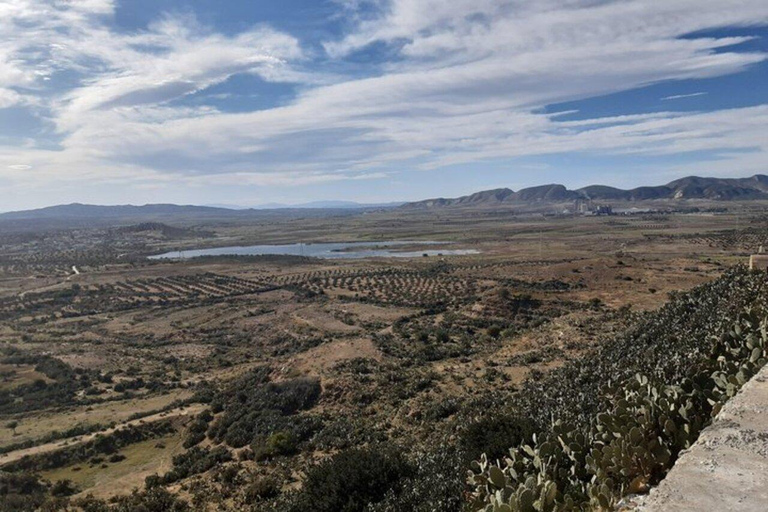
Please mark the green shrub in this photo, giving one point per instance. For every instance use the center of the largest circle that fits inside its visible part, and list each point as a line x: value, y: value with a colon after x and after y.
x: 156, y: 499
x: 193, y: 439
x: 254, y: 408
x: 353, y: 479
x: 494, y: 434
x: 64, y: 488
x: 631, y: 444
x: 437, y: 484
x: 21, y: 492
x: 40, y: 394
x: 194, y: 461
x: 278, y: 443
x: 262, y: 488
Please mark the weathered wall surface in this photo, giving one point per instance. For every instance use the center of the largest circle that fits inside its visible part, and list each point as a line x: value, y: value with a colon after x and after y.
x: 727, y: 468
x: 758, y: 262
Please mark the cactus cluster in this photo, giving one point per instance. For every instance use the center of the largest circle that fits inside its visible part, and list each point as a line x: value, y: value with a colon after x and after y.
x: 547, y: 476
x: 631, y: 444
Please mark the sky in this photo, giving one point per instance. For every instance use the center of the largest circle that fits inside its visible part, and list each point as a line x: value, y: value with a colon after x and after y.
x: 244, y: 102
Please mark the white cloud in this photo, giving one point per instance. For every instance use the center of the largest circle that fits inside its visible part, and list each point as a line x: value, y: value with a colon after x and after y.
x: 174, y: 57
x: 256, y: 178
x: 9, y: 98
x: 469, y: 83
x: 682, y: 96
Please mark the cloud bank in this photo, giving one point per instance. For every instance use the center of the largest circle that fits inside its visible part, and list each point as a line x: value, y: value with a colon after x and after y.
x: 463, y: 81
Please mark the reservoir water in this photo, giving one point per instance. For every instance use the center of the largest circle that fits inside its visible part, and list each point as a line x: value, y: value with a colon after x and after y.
x: 338, y: 250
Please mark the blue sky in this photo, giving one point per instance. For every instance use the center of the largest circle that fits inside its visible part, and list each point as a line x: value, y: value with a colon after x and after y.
x: 249, y: 102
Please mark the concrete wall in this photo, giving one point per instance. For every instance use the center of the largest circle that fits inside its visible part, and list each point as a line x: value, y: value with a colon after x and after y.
x: 758, y: 262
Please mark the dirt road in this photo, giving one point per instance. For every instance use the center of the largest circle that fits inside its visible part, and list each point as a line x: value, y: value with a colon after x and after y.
x: 62, y: 443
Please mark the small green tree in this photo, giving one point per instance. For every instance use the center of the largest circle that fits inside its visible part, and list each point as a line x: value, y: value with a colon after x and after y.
x: 12, y: 425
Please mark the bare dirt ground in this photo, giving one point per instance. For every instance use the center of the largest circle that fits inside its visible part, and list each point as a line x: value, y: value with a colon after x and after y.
x: 316, y: 361
x: 392, y: 341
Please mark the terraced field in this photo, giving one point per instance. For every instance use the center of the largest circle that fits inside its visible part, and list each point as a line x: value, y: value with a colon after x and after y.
x: 210, y: 381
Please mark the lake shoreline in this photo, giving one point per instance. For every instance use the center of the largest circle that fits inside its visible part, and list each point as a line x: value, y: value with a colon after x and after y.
x: 322, y: 250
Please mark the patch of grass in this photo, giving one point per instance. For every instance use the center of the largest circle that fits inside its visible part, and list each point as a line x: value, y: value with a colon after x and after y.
x: 141, y: 459
x: 39, y: 425
x: 13, y: 376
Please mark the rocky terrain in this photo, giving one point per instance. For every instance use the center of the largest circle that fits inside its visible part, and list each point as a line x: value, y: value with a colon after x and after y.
x: 692, y: 187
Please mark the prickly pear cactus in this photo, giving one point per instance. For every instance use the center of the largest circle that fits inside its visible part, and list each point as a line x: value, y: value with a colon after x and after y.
x: 631, y: 444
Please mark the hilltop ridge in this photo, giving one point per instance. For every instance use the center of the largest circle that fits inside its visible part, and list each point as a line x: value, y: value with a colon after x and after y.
x: 691, y: 187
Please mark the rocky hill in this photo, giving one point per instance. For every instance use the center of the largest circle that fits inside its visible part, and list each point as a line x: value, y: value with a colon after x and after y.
x: 692, y: 187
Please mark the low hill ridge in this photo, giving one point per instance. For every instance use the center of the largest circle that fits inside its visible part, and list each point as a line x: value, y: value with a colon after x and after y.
x: 691, y: 187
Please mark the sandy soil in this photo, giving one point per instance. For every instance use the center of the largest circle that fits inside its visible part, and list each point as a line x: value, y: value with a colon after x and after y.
x: 315, y: 361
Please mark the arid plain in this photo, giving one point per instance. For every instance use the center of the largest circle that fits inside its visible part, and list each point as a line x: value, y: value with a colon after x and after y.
x: 101, y: 339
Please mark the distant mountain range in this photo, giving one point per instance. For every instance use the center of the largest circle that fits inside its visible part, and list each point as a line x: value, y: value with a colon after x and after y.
x: 339, y: 205
x: 92, y: 211
x: 326, y: 204
x: 88, y: 215
x: 77, y: 211
x: 78, y: 215
x: 692, y: 187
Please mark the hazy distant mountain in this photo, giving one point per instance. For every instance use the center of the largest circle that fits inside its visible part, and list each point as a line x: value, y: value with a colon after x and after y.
x: 226, y: 206
x: 692, y: 187
x: 339, y: 205
x: 77, y: 210
x: 89, y: 215
x: 86, y: 215
x: 326, y: 204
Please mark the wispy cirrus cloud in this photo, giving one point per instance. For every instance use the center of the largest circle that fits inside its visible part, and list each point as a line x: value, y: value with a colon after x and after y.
x: 683, y: 96
x: 463, y: 81
x: 107, y: 69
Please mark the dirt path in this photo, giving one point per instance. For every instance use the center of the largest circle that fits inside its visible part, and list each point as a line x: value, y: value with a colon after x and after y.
x: 727, y: 468
x: 62, y: 443
x: 40, y: 289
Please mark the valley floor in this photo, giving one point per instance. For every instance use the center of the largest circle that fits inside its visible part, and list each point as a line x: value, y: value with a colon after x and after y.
x: 95, y: 339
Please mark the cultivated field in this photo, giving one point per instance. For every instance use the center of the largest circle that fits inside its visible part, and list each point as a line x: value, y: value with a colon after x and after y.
x: 223, y: 379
